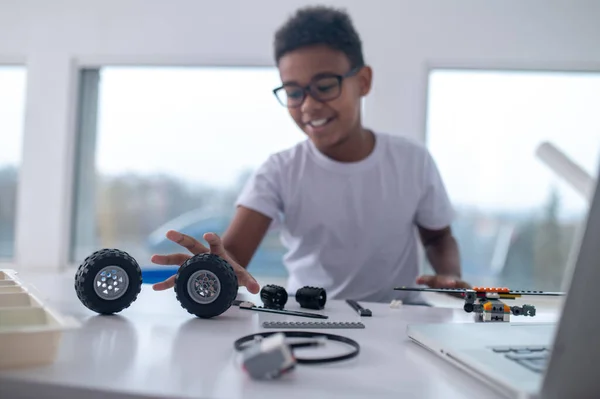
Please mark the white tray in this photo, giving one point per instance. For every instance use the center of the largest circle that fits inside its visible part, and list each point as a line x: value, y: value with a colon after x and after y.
x: 30, y: 331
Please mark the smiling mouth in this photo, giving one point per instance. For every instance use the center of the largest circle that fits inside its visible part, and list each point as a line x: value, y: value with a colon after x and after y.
x: 319, y: 122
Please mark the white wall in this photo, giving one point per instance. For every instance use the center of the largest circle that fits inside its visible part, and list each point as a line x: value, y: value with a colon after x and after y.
x: 402, y: 40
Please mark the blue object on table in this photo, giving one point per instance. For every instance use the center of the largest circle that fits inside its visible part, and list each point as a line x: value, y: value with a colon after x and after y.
x: 156, y: 275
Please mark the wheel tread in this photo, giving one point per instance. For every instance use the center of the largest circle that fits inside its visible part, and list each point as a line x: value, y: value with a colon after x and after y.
x: 84, y: 269
x: 229, y: 284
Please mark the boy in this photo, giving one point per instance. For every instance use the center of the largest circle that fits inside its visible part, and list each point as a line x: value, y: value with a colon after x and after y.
x: 348, y: 200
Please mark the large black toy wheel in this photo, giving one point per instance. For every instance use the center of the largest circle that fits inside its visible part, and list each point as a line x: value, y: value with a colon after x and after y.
x: 206, y: 285
x: 108, y: 281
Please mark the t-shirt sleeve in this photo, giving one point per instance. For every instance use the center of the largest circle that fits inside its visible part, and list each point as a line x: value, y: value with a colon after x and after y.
x: 262, y: 191
x: 435, y: 210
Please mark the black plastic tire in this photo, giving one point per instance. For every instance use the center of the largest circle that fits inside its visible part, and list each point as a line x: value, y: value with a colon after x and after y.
x: 273, y: 296
x: 311, y: 297
x: 227, y: 279
x: 92, y: 265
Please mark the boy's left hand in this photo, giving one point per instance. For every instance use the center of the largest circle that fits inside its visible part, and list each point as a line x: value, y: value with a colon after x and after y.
x: 440, y: 281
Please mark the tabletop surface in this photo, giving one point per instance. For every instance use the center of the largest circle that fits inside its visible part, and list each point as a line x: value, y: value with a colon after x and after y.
x: 156, y: 349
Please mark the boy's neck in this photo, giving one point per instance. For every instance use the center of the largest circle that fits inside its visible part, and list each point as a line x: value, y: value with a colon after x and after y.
x: 355, y: 148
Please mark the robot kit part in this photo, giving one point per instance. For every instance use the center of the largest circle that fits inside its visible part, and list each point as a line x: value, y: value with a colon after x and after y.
x: 109, y: 280
x: 206, y: 285
x: 269, y: 358
x: 311, y: 297
x: 273, y: 296
x: 267, y: 355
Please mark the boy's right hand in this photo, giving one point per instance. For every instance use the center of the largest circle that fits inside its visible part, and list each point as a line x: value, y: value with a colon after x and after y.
x: 196, y: 247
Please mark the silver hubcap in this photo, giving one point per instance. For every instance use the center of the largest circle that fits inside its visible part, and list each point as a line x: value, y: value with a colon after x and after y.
x: 111, y: 283
x: 204, y: 286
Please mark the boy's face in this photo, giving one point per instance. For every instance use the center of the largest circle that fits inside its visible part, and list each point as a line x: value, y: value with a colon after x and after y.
x: 331, y: 120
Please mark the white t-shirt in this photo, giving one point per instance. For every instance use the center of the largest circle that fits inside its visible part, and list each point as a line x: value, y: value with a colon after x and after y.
x: 350, y: 227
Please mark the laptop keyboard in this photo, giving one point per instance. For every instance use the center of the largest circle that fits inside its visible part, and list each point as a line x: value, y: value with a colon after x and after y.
x: 535, y: 358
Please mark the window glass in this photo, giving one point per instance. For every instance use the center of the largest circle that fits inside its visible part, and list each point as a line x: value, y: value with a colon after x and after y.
x: 170, y: 148
x: 517, y: 219
x: 12, y: 108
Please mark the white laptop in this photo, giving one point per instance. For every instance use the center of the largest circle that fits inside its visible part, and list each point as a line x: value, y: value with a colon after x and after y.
x: 540, y: 360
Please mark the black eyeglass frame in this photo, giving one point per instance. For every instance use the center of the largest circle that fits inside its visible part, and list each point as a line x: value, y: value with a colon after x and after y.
x: 306, y: 90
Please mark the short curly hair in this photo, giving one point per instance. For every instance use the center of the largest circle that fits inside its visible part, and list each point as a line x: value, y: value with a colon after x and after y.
x: 320, y: 25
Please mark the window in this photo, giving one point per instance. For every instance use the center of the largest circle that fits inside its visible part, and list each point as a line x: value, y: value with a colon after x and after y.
x: 170, y: 148
x: 12, y: 108
x: 516, y: 219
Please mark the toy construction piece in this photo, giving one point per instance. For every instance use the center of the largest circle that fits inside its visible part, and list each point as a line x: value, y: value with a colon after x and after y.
x: 247, y: 305
x: 206, y: 285
x: 312, y: 324
x: 268, y: 355
x: 311, y: 297
x: 109, y: 280
x: 358, y: 308
x: 503, y: 293
x: 395, y: 304
x: 486, y: 301
x: 273, y: 296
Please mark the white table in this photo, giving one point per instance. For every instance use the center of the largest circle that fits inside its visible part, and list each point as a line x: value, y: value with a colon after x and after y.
x: 156, y: 349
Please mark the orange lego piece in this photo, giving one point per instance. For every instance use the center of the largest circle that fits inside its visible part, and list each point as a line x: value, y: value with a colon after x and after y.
x: 491, y: 289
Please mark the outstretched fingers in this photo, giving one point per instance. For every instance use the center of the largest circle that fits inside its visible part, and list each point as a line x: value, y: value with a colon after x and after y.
x: 190, y: 243
x: 195, y: 247
x: 216, y: 245
x: 172, y: 259
x: 164, y: 285
x: 244, y: 278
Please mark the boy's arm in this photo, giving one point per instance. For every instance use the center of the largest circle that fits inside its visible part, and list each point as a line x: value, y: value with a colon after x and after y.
x: 259, y: 203
x: 433, y: 219
x: 244, y: 234
x: 443, y: 255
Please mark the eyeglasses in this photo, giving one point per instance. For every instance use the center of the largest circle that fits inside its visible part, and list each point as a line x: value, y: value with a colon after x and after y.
x: 324, y: 88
